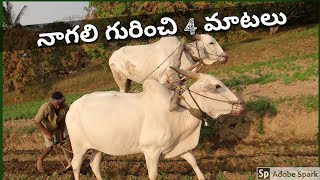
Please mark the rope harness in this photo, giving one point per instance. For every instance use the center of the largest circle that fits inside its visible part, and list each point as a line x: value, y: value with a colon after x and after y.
x: 65, y: 150
x: 200, y: 114
x: 189, y: 51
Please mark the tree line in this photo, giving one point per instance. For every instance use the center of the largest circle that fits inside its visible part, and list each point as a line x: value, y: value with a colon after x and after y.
x: 24, y: 67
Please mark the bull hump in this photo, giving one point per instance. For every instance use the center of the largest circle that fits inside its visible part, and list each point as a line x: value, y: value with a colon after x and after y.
x: 155, y: 88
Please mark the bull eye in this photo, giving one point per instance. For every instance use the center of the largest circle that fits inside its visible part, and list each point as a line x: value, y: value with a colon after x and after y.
x: 218, y: 86
x: 211, y: 43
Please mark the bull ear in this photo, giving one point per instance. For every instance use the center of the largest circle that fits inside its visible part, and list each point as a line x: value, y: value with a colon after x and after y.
x: 196, y: 37
x: 188, y: 74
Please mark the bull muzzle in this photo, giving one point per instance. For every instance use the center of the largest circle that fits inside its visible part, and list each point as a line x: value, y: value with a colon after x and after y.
x: 224, y: 58
x: 237, y: 108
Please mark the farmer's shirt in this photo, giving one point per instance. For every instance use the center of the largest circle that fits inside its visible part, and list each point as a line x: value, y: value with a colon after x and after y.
x: 48, y: 116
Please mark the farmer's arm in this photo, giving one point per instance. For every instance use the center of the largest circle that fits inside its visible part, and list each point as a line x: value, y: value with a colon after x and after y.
x: 41, y: 115
x: 44, y: 130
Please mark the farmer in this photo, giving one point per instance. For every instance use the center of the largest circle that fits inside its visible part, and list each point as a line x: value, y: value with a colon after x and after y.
x: 50, y: 119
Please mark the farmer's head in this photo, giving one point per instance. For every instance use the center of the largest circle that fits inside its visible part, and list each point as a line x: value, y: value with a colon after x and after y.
x: 57, y: 99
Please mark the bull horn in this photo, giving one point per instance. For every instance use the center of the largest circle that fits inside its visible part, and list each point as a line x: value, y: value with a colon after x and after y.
x: 188, y: 74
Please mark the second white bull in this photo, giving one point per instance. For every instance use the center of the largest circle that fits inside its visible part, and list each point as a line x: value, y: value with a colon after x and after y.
x: 135, y: 63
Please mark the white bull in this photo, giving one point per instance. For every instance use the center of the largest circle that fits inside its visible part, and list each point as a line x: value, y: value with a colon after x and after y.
x: 121, y: 123
x: 135, y: 63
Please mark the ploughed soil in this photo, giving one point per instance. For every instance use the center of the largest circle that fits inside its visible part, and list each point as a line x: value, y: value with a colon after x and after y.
x: 231, y: 147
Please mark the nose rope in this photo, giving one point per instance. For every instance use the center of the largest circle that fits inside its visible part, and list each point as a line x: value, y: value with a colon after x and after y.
x: 196, y: 46
x: 228, y: 101
x: 204, y: 114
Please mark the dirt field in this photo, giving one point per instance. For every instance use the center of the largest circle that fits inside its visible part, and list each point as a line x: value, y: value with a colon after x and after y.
x: 233, y: 151
x: 232, y: 148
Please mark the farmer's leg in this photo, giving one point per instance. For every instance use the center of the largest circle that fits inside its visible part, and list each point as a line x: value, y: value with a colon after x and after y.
x: 42, y: 156
x: 48, y: 148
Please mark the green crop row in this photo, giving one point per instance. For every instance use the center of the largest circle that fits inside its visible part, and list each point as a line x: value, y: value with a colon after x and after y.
x: 288, y: 70
x: 29, y: 109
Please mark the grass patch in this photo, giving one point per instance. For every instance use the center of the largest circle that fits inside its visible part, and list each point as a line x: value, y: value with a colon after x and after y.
x: 29, y: 110
x: 262, y: 107
x: 221, y: 176
x: 21, y: 111
x: 162, y: 176
x: 207, y: 132
x: 310, y: 103
x: 260, y: 127
x: 235, y: 82
x: 251, y: 176
x: 289, y: 69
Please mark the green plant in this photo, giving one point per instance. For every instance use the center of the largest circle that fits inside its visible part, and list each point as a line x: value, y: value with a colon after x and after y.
x: 162, y: 176
x: 260, y: 126
x: 188, y: 177
x: 310, y: 102
x: 221, y: 176
x: 9, y: 20
x: 251, y: 176
x: 86, y: 177
x: 261, y: 106
x: 23, y: 177
x: 29, y: 109
x: 271, y: 70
